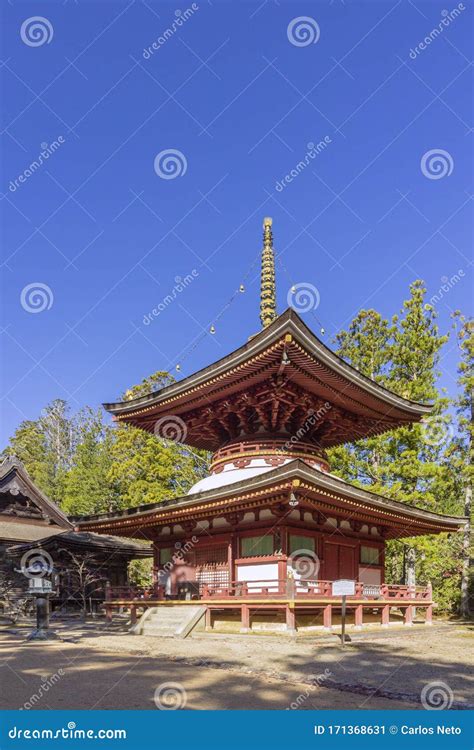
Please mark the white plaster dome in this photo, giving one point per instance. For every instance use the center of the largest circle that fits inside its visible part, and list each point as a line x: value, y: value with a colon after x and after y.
x: 235, y: 462
x: 231, y: 474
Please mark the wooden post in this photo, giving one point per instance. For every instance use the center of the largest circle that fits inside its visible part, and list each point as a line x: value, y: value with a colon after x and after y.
x: 327, y: 617
x: 208, y: 619
x: 429, y: 615
x: 409, y: 615
x: 231, y: 556
x: 156, y: 565
x: 282, y: 576
x: 133, y: 615
x: 290, y: 620
x: 386, y: 615
x: 359, y: 616
x: 245, y: 619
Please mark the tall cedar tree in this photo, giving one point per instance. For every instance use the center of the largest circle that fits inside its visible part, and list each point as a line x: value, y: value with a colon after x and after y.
x: 409, y: 464
x: 463, y: 449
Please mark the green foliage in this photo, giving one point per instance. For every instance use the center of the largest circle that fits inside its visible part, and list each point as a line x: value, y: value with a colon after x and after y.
x: 87, y: 486
x: 140, y: 572
x: 29, y: 444
x: 420, y: 464
x: 46, y: 447
x: 88, y: 466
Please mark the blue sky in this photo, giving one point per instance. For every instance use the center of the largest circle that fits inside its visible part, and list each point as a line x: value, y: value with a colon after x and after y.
x: 232, y: 92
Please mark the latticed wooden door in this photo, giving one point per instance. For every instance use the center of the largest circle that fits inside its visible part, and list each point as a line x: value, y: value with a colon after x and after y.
x: 212, y: 567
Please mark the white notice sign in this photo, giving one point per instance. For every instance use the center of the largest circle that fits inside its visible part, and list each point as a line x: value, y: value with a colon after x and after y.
x: 343, y: 587
x: 40, y: 585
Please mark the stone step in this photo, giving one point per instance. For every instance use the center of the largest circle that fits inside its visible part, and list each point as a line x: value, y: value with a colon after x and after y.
x: 169, y: 622
x: 161, y: 632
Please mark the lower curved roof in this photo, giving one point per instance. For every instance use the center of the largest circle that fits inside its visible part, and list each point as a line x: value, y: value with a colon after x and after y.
x: 325, y: 492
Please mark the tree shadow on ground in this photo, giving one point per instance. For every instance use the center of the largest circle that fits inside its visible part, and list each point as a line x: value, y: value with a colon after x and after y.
x: 126, y: 675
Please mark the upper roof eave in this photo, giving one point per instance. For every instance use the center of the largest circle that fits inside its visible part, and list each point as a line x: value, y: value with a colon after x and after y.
x: 287, y: 322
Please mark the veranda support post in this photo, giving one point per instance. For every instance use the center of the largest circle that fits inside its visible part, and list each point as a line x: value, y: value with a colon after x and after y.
x: 327, y: 617
x: 290, y: 619
x: 245, y: 619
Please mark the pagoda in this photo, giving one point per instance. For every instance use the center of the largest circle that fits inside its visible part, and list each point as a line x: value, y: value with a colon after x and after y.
x: 271, y: 528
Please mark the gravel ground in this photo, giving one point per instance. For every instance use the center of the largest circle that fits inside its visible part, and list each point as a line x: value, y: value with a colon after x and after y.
x: 108, y: 668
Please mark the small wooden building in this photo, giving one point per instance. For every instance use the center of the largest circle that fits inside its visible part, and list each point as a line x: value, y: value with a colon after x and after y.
x: 271, y: 527
x: 36, y: 535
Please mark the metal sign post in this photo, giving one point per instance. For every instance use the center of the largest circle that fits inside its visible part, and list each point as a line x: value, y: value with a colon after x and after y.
x: 343, y: 588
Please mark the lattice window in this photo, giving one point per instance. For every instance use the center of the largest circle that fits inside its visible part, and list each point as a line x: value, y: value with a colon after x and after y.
x: 210, y: 556
x: 256, y: 546
x: 301, y: 543
x: 213, y: 578
x: 212, y: 566
x: 369, y: 555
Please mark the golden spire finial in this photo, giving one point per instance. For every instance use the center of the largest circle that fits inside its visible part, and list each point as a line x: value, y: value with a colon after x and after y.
x: 268, y: 311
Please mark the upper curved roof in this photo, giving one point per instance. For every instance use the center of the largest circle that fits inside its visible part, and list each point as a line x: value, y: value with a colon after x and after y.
x: 313, y: 369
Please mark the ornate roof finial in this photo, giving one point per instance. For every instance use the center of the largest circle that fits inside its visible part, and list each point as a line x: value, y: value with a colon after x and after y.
x: 268, y: 311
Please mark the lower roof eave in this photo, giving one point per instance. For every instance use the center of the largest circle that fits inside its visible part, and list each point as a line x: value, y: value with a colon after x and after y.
x: 314, y: 486
x: 94, y: 544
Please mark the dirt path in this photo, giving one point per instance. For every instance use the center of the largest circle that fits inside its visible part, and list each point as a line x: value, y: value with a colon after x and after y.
x: 108, y: 668
x: 111, y: 671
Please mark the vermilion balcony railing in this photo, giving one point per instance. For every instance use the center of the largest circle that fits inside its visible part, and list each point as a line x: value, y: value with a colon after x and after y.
x: 275, y: 589
x: 289, y: 589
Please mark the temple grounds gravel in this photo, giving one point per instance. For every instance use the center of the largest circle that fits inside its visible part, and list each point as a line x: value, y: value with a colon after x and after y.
x: 108, y: 668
